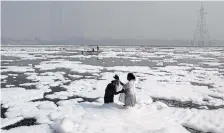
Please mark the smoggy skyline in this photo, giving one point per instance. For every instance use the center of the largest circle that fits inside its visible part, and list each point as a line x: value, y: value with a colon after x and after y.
x: 98, y: 20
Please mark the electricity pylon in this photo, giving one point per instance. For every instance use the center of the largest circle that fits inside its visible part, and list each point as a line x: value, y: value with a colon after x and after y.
x: 201, y: 35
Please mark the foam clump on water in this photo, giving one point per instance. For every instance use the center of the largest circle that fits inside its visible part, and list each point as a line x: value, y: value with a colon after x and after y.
x: 66, y: 125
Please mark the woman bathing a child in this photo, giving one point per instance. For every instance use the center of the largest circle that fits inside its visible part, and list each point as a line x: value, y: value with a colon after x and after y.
x: 128, y: 92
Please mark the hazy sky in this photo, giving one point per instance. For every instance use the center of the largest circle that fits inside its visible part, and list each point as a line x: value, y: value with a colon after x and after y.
x: 136, y: 20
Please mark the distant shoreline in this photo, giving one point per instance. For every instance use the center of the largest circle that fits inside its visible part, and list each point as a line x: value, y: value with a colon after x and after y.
x: 85, y: 45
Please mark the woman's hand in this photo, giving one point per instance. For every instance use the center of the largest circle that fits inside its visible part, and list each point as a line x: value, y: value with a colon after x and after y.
x: 122, y: 91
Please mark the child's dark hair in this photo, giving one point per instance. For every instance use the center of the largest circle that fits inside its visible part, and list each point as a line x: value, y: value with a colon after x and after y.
x: 131, y: 76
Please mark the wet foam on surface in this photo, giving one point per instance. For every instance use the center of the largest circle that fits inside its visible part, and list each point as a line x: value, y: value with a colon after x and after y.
x: 178, y: 89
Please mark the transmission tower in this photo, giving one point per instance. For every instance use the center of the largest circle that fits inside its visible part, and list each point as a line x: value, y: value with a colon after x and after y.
x: 201, y: 35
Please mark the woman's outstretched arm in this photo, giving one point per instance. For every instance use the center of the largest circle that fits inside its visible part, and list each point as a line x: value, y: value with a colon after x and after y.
x: 115, y: 92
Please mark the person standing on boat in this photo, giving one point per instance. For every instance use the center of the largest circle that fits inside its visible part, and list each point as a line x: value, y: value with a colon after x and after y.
x: 97, y: 49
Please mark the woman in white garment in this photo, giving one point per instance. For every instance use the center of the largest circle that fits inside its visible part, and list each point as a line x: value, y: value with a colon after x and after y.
x: 129, y: 91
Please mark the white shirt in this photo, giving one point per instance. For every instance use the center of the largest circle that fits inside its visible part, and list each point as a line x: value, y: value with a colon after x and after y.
x: 130, y: 87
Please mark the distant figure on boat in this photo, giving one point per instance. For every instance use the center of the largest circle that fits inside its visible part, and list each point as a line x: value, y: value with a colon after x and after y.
x: 93, y: 50
x: 111, y: 90
x: 97, y: 49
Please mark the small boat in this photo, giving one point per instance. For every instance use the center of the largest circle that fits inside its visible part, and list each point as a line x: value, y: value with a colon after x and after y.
x: 91, y: 52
